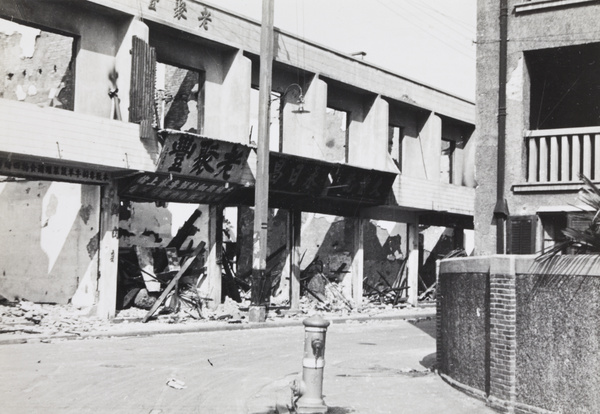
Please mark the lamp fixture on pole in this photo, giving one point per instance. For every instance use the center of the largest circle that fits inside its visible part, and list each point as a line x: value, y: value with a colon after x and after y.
x: 300, y: 102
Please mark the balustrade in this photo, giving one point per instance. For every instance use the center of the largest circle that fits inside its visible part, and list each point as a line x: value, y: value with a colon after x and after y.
x: 561, y: 155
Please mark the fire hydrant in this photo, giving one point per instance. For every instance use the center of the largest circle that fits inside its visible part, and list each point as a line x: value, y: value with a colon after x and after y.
x: 310, y: 387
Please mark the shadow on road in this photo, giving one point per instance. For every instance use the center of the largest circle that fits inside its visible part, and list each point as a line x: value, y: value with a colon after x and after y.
x: 425, y: 325
x: 429, y: 361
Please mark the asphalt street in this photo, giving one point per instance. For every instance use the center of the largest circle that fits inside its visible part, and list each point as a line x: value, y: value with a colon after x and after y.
x: 371, y: 367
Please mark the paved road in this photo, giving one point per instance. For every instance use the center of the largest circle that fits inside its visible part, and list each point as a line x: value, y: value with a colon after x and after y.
x: 374, y: 367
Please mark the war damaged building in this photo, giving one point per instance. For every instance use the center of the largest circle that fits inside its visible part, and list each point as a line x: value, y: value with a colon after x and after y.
x: 128, y: 142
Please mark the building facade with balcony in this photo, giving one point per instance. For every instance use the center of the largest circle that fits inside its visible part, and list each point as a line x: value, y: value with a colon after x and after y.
x: 551, y: 118
x: 519, y: 332
x: 112, y: 109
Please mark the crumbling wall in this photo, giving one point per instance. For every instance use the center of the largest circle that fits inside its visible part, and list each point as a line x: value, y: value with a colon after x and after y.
x: 437, y: 243
x: 385, y: 250
x: 154, y: 225
x: 37, y: 66
x: 49, y: 241
x: 277, y: 238
x: 329, y: 239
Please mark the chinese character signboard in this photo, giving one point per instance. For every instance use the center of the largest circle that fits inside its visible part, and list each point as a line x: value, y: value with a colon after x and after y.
x: 296, y: 175
x: 304, y: 176
x: 359, y: 184
x: 43, y: 170
x: 204, y: 158
x: 165, y: 187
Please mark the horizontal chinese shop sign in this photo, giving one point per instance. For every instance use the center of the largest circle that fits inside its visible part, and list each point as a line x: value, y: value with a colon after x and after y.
x: 360, y: 184
x: 308, y: 177
x: 204, y: 158
x: 170, y: 188
x: 42, y: 170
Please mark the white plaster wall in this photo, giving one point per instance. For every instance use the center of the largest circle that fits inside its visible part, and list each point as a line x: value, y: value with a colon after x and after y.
x: 152, y: 226
x: 235, y: 99
x: 369, y: 138
x: 303, y: 134
x: 50, y: 241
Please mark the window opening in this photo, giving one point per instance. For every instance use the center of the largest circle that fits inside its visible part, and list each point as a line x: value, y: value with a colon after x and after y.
x: 447, y: 161
x: 180, y: 98
x: 38, y: 66
x: 395, y: 142
x: 336, y: 135
x: 564, y: 84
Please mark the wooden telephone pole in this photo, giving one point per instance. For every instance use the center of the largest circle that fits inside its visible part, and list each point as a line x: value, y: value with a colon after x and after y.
x: 261, y: 283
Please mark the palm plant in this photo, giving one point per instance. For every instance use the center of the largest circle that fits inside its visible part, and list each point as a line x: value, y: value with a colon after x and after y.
x: 581, y: 241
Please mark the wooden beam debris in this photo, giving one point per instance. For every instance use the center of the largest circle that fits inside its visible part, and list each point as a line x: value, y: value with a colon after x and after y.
x: 188, y: 262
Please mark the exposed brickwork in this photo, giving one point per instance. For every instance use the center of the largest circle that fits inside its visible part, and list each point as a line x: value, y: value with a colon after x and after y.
x: 503, y: 306
x: 46, y: 77
x: 438, y: 325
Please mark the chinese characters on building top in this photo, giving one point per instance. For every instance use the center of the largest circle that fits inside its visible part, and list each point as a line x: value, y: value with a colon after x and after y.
x: 180, y: 11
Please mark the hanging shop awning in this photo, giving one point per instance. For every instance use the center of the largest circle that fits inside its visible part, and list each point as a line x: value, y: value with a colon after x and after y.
x: 293, y: 175
x: 196, y: 169
x: 319, y: 186
x: 192, y: 169
x: 170, y: 188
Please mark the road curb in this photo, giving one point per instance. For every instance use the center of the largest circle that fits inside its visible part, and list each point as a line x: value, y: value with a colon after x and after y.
x: 165, y: 329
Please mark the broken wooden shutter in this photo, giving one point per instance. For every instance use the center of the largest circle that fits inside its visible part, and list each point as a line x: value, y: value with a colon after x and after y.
x: 579, y: 221
x: 143, y: 70
x: 521, y: 234
x: 141, y: 95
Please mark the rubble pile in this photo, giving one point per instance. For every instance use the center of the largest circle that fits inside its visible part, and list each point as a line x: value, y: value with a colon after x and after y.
x: 48, y: 319
x: 24, y: 317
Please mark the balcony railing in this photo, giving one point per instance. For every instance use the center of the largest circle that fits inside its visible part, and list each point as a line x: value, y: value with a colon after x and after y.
x: 560, y: 155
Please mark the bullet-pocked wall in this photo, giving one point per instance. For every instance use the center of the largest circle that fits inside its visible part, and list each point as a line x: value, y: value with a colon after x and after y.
x: 37, y: 66
x: 326, y: 242
x: 50, y: 229
x: 50, y: 241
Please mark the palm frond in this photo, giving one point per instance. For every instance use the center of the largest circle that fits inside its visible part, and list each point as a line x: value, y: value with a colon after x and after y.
x: 581, y: 241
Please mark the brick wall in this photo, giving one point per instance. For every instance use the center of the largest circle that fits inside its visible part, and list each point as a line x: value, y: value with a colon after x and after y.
x: 540, y: 336
x: 502, y: 342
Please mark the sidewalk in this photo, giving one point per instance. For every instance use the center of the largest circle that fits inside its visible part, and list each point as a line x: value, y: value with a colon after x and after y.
x: 132, y: 327
x: 374, y: 365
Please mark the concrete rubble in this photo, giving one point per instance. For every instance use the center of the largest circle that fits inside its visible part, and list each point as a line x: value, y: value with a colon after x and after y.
x: 23, y: 320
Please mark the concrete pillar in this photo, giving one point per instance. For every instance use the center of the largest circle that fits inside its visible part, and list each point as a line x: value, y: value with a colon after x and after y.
x: 358, y: 259
x: 213, y: 260
x: 412, y: 265
x: 108, y: 257
x: 468, y: 162
x: 295, y: 226
x: 227, y: 98
x: 368, y: 146
x: 123, y: 62
x: 303, y: 133
x: 94, y: 65
x: 422, y: 155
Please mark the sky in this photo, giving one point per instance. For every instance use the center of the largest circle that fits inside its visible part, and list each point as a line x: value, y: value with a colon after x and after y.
x: 430, y: 41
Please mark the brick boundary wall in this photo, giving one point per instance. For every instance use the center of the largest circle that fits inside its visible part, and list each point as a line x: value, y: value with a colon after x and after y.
x: 438, y: 328
x: 502, y: 344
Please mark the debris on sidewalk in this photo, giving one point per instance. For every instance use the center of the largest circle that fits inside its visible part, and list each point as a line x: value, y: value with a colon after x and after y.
x: 177, y: 384
x: 24, y: 317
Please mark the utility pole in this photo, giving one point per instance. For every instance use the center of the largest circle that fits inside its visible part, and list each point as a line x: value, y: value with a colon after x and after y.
x: 261, y: 284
